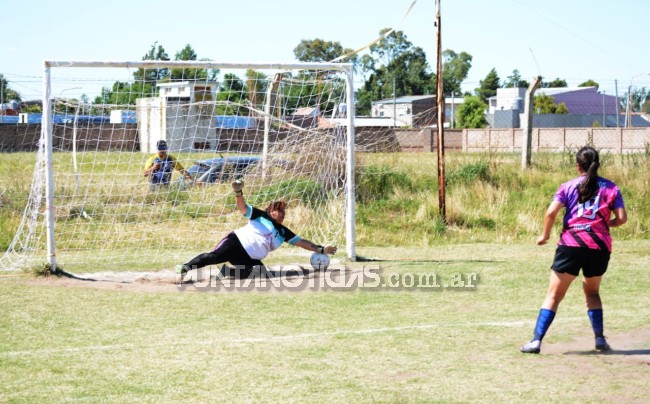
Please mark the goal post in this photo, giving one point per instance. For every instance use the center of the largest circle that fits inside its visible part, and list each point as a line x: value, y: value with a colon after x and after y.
x: 277, y: 126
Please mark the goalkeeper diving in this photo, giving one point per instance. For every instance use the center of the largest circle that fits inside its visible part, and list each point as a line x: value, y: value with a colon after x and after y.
x: 247, y: 246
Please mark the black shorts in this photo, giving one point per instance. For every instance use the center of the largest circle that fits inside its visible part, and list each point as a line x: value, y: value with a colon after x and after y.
x: 571, y: 259
x: 230, y: 250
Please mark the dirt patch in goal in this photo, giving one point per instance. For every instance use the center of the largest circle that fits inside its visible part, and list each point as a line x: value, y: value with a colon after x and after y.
x: 291, y: 278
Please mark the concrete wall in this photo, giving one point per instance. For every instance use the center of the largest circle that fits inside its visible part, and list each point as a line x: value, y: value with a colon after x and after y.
x: 118, y: 137
x: 612, y: 140
x: 124, y: 137
x: 14, y: 138
x: 370, y: 139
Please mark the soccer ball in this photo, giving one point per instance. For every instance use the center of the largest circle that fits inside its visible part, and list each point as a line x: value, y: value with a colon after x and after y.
x: 319, y: 262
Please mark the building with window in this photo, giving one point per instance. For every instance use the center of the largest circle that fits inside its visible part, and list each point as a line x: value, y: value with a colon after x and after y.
x: 412, y: 111
x: 585, y: 105
x: 176, y: 117
x: 407, y: 111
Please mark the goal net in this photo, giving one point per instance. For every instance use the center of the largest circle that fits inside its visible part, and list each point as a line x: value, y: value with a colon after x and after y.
x: 286, y: 130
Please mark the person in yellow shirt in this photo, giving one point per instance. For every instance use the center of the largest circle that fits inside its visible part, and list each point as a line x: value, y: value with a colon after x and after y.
x: 159, y: 167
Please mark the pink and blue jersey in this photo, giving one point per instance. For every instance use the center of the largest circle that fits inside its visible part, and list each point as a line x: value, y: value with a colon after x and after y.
x: 587, y: 224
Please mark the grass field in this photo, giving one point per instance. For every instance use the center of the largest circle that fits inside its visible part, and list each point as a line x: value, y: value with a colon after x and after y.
x: 132, y: 335
x: 66, y: 340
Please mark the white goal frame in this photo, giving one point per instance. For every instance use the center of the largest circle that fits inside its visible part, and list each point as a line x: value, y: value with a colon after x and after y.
x: 47, y: 130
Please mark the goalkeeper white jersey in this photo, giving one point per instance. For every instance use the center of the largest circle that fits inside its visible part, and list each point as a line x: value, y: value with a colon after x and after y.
x: 262, y: 234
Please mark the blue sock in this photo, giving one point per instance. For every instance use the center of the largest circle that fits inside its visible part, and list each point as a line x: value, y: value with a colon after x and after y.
x: 544, y: 321
x: 596, y: 318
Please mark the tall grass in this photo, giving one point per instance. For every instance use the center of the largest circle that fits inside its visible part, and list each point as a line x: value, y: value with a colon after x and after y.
x: 16, y: 171
x: 488, y: 197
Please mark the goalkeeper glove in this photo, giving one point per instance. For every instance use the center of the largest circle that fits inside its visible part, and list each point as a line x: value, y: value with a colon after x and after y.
x: 328, y: 249
x: 238, y: 186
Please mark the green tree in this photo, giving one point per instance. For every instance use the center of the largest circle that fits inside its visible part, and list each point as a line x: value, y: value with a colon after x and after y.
x: 256, y: 85
x: 390, y: 46
x: 557, y: 83
x: 455, y: 67
x: 589, y: 83
x: 394, y: 68
x: 488, y: 86
x: 410, y: 72
x: 152, y: 76
x: 370, y: 92
x: 645, y: 108
x: 231, y: 83
x: 319, y: 50
x: 561, y: 109
x: 639, y: 97
x: 7, y: 93
x: 145, y: 80
x: 471, y: 113
x: 515, y: 80
x: 144, y: 84
x: 121, y: 93
x: 232, y: 90
x: 188, y: 53
x: 33, y: 109
x: 240, y: 94
x: 545, y: 104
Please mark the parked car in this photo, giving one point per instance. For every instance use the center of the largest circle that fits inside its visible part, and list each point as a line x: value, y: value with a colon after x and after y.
x: 222, y: 169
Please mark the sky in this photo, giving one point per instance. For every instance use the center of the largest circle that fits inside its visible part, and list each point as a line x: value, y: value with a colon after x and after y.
x: 575, y: 40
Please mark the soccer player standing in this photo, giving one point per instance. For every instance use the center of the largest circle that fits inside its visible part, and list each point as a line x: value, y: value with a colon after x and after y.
x: 585, y: 243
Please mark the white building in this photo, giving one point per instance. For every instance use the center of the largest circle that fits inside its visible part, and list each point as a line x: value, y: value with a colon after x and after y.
x: 413, y: 111
x: 511, y: 98
x: 178, y: 117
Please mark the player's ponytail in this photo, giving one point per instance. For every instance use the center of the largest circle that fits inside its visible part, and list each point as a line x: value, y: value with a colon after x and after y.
x: 588, y: 160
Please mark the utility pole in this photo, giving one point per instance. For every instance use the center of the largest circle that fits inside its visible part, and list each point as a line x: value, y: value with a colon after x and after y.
x: 440, y: 101
x: 527, y: 135
x: 394, y: 103
x: 604, y: 117
x: 618, y: 105
x: 453, y: 103
x: 628, y: 112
